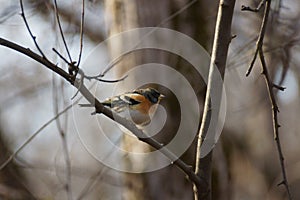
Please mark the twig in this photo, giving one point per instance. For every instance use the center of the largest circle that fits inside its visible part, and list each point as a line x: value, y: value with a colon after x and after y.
x: 61, y: 31
x: 108, y: 113
x: 28, y: 28
x: 61, y: 56
x: 81, y: 34
x: 279, y: 87
x: 105, y: 80
x: 261, y: 36
x: 276, y: 125
x: 114, y: 62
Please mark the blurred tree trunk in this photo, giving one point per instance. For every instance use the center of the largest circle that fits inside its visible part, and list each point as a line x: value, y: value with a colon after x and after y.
x: 122, y: 15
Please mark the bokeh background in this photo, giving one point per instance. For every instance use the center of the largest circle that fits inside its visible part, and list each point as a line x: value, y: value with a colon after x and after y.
x: 245, y: 160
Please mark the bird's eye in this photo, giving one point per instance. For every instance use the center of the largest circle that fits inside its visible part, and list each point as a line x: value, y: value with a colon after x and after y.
x: 153, y: 99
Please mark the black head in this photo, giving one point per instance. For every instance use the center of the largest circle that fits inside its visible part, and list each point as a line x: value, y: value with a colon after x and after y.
x: 150, y: 93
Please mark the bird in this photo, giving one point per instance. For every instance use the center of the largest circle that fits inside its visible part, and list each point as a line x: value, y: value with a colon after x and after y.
x: 139, y: 105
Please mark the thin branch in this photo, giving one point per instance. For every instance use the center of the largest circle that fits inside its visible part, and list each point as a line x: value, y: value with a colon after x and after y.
x: 105, y: 80
x: 61, y: 31
x: 261, y: 36
x: 279, y: 87
x: 116, y: 61
x: 28, y: 28
x: 81, y: 34
x: 61, y: 56
x: 69, y: 15
x: 72, y: 68
x: 276, y: 125
x: 188, y: 170
x: 253, y: 61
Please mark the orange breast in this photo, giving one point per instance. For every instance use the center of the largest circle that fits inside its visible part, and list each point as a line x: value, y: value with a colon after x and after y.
x: 144, y: 106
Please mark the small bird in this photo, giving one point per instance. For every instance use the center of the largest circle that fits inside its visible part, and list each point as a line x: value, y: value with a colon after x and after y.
x: 139, y: 105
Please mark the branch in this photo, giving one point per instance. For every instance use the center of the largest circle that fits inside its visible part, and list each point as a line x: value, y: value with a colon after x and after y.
x: 221, y: 43
x: 81, y: 35
x: 261, y: 36
x: 38, y: 58
x: 262, y: 32
x: 28, y: 28
x: 276, y: 125
x: 61, y: 31
x: 270, y: 86
x: 107, y: 112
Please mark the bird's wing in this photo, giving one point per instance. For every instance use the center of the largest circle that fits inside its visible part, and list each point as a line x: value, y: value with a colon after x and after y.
x: 121, y: 102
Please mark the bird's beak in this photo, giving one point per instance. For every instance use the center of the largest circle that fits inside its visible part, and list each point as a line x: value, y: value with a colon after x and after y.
x: 161, y: 96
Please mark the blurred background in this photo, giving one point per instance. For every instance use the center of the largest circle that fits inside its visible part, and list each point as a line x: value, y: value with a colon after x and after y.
x: 56, y: 164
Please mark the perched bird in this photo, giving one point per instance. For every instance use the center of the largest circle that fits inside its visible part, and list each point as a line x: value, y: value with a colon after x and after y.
x: 139, y: 105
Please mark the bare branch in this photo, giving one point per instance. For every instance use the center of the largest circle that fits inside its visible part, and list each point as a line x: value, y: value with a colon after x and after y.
x: 261, y: 36
x: 61, y: 31
x: 28, y: 28
x: 81, y: 34
x: 37, y: 58
x: 276, y: 125
x: 270, y: 86
x: 279, y: 87
x: 61, y: 56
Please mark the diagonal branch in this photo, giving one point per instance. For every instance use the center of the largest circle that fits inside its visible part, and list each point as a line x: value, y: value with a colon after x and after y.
x: 262, y: 32
x: 61, y: 31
